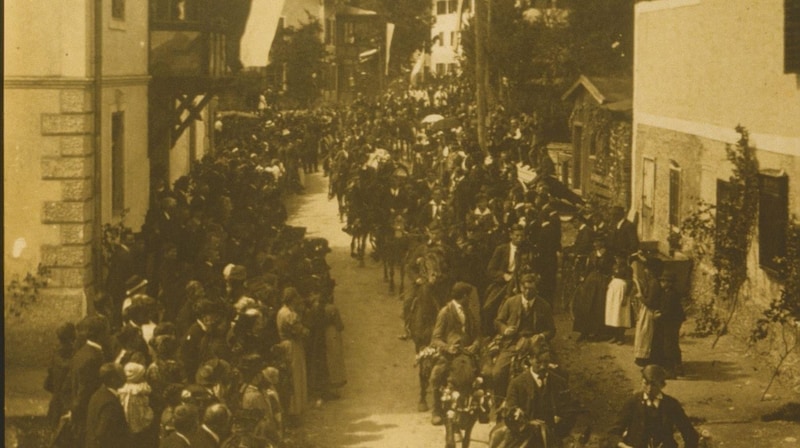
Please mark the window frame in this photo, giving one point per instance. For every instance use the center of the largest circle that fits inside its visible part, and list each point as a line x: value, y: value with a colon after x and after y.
x: 117, y: 163
x: 674, y: 209
x: 772, y: 222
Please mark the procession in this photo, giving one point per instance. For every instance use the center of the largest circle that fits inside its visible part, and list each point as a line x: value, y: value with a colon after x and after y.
x: 443, y: 258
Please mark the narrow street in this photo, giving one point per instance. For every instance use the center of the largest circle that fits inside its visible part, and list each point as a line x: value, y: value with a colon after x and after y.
x: 378, y: 407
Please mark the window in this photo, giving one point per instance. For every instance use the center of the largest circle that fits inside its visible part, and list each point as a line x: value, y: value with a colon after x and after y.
x: 791, y: 36
x: 452, y: 38
x: 441, y: 69
x: 441, y: 39
x: 441, y: 7
x: 117, y: 163
x: 674, y: 195
x: 452, y: 68
x: 773, y: 218
x: 452, y: 6
x: 118, y: 9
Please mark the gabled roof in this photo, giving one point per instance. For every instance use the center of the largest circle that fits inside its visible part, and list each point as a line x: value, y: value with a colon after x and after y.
x: 604, y: 90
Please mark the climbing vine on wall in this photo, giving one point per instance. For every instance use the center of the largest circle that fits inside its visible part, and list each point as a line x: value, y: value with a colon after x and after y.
x: 611, y: 140
x: 730, y: 225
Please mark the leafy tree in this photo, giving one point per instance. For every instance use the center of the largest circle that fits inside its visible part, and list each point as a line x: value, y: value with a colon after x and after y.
x: 301, y: 51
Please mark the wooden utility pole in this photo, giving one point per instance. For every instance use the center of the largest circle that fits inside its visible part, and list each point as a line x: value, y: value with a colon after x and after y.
x: 481, y: 70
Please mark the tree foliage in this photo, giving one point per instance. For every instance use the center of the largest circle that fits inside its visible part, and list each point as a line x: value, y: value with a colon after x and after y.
x: 301, y: 51
x: 535, y: 53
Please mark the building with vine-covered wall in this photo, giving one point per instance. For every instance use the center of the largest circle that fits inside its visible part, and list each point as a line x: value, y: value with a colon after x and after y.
x: 600, y: 124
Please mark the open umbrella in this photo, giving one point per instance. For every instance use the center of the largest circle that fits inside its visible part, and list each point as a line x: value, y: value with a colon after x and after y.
x: 432, y: 118
x: 446, y: 124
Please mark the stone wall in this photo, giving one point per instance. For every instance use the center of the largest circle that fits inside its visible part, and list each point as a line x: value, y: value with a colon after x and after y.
x: 62, y: 228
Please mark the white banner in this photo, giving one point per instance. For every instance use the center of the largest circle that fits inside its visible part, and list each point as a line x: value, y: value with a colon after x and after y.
x: 389, y: 35
x: 260, y: 32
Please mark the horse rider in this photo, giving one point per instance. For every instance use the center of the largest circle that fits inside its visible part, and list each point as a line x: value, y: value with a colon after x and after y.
x: 522, y: 316
x: 456, y: 330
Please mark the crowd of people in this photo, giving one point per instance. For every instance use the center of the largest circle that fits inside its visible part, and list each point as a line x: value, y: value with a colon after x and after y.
x: 217, y: 326
x: 482, y: 250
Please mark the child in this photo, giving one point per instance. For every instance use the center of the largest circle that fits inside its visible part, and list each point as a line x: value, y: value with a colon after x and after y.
x: 135, y: 399
x: 58, y: 371
x: 669, y: 326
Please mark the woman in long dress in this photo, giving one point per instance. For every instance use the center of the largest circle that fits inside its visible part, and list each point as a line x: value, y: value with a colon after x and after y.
x: 292, y: 334
x: 650, y: 295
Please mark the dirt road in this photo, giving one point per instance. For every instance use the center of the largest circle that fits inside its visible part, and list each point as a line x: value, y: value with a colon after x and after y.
x: 378, y: 407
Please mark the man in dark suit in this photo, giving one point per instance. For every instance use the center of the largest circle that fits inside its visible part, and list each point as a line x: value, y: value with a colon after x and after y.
x: 186, y: 421
x: 521, y: 316
x: 507, y: 257
x: 215, y: 428
x: 84, y: 375
x: 456, y: 329
x: 105, y: 423
x: 623, y: 240
x: 195, y: 347
x: 542, y: 395
x: 649, y: 417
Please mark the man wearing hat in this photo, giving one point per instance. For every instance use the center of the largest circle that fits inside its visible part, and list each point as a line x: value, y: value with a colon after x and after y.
x: 214, y: 429
x: 521, y: 316
x: 668, y: 327
x: 542, y: 394
x: 84, y: 374
x: 649, y: 417
x: 456, y: 329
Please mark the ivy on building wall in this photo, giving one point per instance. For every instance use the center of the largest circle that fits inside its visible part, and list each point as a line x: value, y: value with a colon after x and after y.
x: 611, y: 140
x: 724, y: 232
x: 24, y: 292
x: 782, y: 319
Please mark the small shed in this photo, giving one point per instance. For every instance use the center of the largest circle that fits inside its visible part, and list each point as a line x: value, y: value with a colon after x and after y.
x: 600, y: 125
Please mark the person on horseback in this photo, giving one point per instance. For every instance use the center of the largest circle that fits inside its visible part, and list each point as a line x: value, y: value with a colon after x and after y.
x: 506, y: 261
x: 541, y: 395
x: 521, y: 316
x: 456, y: 331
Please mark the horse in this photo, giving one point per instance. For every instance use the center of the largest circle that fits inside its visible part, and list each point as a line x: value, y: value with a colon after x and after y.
x: 395, y: 244
x: 464, y: 399
x: 420, y: 309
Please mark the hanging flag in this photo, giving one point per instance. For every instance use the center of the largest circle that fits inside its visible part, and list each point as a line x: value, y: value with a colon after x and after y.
x: 417, y: 68
x: 389, y: 35
x: 260, y: 31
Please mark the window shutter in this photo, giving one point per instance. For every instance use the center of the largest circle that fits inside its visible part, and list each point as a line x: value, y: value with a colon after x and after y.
x: 791, y: 36
x: 773, y: 218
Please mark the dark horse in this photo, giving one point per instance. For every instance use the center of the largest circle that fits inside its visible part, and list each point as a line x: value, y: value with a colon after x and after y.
x: 395, y: 242
x: 465, y: 400
x: 420, y: 311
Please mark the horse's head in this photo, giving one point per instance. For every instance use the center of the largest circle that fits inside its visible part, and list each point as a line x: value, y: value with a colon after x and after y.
x: 433, y: 262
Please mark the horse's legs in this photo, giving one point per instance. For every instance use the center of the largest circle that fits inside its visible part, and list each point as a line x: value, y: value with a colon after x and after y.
x: 390, y: 264
x: 362, y: 242
x: 450, y: 430
x: 424, y: 379
x: 468, y: 432
x: 353, y: 243
x: 385, y: 270
x: 402, y: 266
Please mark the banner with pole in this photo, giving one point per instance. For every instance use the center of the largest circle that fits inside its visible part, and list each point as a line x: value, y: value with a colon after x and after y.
x: 389, y: 35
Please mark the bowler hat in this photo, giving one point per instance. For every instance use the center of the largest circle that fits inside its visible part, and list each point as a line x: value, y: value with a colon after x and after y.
x: 655, y: 374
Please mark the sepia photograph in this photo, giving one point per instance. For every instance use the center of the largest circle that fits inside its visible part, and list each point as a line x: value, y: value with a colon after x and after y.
x: 401, y: 223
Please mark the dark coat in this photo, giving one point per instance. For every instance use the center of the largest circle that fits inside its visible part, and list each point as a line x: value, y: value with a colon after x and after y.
x: 202, y: 439
x: 539, y: 403
x: 498, y: 264
x: 623, y: 240
x: 173, y: 441
x: 84, y: 379
x: 105, y: 423
x: 511, y: 312
x: 667, y: 417
x: 193, y: 349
